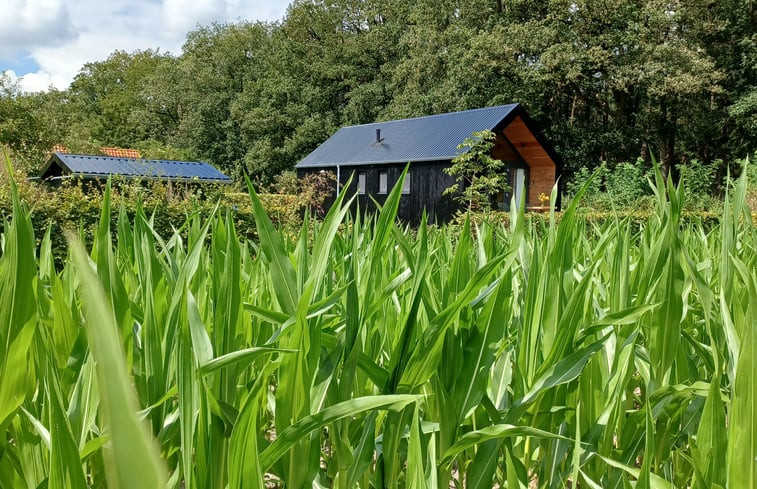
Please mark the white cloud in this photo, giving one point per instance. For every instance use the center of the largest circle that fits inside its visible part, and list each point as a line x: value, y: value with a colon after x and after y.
x: 27, y: 23
x: 33, y: 82
x: 181, y: 16
x: 62, y: 35
x: 41, y: 81
x: 12, y: 76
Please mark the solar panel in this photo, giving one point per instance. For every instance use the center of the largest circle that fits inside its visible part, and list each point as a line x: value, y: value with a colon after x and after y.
x: 90, y: 166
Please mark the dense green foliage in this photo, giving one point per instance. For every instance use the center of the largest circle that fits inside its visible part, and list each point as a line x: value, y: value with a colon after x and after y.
x: 625, y: 186
x: 77, y: 207
x: 608, y: 80
x: 359, y: 354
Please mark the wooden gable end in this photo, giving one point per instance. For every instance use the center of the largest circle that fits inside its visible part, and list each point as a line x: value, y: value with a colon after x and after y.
x: 542, y: 168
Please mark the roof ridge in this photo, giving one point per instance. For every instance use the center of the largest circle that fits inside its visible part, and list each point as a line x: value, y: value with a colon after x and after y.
x: 106, y: 157
x: 431, y: 116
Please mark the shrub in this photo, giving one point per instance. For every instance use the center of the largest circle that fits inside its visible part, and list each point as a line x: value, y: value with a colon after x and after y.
x: 619, y: 187
x: 627, y: 183
x: 286, y: 182
x: 312, y: 190
x: 316, y: 189
x: 698, y: 181
x: 581, y: 177
x: 638, y: 218
x: 478, y: 176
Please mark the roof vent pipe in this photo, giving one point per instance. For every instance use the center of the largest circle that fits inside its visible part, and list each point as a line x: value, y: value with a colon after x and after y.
x: 378, y: 136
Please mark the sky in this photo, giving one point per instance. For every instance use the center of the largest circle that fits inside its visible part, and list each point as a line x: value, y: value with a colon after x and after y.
x: 46, y: 42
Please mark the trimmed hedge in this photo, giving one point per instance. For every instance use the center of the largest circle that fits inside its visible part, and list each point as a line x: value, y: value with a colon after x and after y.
x: 706, y: 219
x: 77, y: 207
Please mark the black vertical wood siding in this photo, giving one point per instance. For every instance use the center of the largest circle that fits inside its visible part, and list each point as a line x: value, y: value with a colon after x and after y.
x: 427, y: 184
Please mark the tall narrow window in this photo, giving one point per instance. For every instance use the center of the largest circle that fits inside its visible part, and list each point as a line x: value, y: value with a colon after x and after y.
x: 361, y: 183
x: 406, y: 184
x: 519, y: 179
x: 382, y: 182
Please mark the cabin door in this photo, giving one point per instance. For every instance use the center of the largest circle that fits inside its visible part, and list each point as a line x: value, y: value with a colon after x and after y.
x: 519, y: 179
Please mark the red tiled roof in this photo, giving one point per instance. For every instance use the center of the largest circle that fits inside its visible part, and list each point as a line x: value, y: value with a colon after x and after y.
x: 59, y: 148
x: 121, y: 152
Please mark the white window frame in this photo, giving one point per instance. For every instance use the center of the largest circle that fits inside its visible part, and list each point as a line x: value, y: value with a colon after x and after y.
x: 383, y: 182
x: 406, y: 184
x: 361, y: 183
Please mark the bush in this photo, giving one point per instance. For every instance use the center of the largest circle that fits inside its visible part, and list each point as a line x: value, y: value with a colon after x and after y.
x: 699, y: 178
x: 620, y: 187
x: 478, y: 176
x: 638, y: 218
x: 312, y: 190
x: 627, y: 183
x: 626, y: 186
x: 581, y: 177
x: 698, y: 182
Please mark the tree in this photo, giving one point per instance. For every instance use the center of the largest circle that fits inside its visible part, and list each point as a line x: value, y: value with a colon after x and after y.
x: 114, y: 98
x: 607, y: 80
x: 31, y: 123
x: 478, y: 176
x: 326, y: 66
x: 218, y: 63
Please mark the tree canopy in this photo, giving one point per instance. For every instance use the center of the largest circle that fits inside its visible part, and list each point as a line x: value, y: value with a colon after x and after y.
x: 607, y: 80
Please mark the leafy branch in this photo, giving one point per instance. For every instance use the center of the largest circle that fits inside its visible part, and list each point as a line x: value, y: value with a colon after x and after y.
x: 478, y: 176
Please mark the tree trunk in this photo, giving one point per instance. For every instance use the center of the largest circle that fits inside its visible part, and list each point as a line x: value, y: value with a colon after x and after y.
x: 667, y: 137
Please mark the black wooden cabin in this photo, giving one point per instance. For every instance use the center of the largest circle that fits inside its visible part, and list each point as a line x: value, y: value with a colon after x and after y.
x: 375, y: 155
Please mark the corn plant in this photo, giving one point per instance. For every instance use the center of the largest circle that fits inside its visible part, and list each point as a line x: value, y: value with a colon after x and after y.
x: 361, y: 353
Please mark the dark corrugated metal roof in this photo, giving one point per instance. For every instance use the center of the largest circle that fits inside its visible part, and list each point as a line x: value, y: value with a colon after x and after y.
x: 430, y: 138
x: 90, y: 166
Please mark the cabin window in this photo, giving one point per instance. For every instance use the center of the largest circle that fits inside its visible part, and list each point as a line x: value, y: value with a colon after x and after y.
x: 406, y: 184
x: 520, y: 180
x: 361, y: 183
x: 383, y: 178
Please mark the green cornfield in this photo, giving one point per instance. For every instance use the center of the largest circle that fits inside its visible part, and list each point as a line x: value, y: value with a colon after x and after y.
x: 363, y: 354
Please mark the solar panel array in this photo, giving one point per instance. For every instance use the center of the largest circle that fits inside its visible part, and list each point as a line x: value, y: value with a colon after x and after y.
x: 90, y: 166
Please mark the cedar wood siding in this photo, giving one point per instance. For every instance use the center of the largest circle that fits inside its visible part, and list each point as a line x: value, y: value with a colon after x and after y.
x: 542, y: 170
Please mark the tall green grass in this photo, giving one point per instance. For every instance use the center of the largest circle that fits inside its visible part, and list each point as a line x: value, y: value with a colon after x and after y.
x: 359, y: 353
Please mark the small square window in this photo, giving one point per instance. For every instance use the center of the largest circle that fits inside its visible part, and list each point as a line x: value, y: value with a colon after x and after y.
x: 383, y: 179
x: 361, y: 183
x: 406, y: 184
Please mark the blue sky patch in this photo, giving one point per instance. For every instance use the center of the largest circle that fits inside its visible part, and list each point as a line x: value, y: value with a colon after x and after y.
x: 21, y: 64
